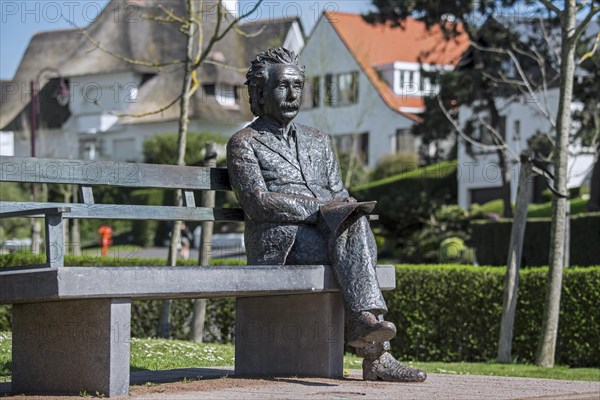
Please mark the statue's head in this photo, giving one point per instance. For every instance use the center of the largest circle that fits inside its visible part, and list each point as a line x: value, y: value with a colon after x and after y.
x: 275, y: 82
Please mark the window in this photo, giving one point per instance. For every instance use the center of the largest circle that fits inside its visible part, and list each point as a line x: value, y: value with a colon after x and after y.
x: 413, y: 83
x: 226, y: 94
x: 354, y: 143
x: 405, y: 141
x: 341, y: 89
x: 88, y: 149
x: 516, y: 130
x: 311, y: 98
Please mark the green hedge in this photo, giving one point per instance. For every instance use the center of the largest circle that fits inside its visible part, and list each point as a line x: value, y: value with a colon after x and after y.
x: 443, y: 313
x: 220, y: 313
x: 406, y: 200
x: 491, y: 239
x: 452, y: 313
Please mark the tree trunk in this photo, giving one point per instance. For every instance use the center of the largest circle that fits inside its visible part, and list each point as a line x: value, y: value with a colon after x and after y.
x: 184, y: 106
x: 594, y: 201
x: 205, y: 251
x: 547, y: 344
x: 75, y: 232
x: 507, y: 211
x: 503, y: 161
x: 511, y: 282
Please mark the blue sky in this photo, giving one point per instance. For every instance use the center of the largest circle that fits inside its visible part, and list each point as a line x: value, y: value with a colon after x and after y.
x: 20, y: 20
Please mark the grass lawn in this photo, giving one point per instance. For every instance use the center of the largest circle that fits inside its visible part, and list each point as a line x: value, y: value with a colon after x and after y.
x: 160, y: 354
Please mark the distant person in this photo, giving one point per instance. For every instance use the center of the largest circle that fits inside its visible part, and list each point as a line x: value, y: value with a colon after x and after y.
x: 186, y: 240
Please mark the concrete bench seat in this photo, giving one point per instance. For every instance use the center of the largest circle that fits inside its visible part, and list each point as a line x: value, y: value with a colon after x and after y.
x: 71, y: 325
x: 33, y: 285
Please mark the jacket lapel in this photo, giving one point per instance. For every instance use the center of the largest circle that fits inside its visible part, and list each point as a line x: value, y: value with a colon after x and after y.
x: 302, y: 147
x: 269, y: 140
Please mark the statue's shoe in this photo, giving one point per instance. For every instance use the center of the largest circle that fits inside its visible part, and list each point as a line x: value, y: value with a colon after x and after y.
x: 364, y: 328
x: 387, y: 368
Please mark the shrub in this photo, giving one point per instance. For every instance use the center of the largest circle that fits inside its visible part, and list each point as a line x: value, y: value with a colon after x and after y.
x: 491, y: 240
x: 15, y: 227
x: 424, y: 245
x: 406, y: 201
x: 452, y: 313
x: 162, y: 149
x: 452, y: 249
x: 394, y: 164
x: 352, y: 170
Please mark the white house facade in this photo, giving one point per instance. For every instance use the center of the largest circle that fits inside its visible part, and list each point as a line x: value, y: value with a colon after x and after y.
x: 479, y: 175
x: 365, y: 95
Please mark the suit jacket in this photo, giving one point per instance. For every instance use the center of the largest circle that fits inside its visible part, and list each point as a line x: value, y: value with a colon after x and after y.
x: 279, y: 192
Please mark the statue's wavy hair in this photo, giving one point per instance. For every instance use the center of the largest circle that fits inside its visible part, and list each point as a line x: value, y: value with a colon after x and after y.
x: 258, y: 73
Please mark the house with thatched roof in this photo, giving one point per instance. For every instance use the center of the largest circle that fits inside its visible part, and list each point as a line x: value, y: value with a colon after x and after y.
x: 112, y: 102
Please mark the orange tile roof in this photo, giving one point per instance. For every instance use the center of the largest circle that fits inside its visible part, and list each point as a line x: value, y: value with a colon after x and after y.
x: 409, y: 102
x: 375, y: 45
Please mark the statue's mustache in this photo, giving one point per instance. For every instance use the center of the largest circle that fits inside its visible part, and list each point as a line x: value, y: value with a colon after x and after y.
x: 289, y: 104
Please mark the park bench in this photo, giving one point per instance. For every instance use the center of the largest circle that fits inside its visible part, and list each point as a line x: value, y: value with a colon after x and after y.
x: 71, y: 325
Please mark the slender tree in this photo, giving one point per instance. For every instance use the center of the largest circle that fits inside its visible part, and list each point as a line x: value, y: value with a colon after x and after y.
x: 198, y: 47
x: 452, y: 16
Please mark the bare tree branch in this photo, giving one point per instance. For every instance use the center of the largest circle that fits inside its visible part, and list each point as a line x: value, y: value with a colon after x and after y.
x: 499, y: 138
x: 145, y: 114
x: 98, y: 45
x: 524, y: 80
x: 532, y: 92
x: 174, y: 17
x: 592, y: 51
x: 503, y: 79
x: 583, y: 24
x: 217, y: 35
x: 248, y: 34
x: 226, y: 66
x: 462, y: 133
x: 554, y: 49
x: 548, y: 4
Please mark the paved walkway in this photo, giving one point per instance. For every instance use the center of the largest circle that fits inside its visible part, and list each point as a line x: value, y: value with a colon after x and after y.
x: 215, y: 384
x: 220, y: 384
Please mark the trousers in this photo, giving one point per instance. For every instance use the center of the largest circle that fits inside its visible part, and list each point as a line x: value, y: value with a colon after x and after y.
x: 352, y: 252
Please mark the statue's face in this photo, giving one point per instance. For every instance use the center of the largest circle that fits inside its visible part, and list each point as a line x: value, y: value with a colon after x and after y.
x: 283, y: 93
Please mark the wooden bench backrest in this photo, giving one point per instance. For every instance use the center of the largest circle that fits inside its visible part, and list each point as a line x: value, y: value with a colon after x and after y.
x: 88, y: 174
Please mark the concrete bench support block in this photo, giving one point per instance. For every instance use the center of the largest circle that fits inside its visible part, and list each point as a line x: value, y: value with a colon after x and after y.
x: 290, y: 335
x: 72, y: 346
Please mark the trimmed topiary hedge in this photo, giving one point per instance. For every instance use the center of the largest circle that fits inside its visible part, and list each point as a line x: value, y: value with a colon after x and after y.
x: 220, y: 313
x: 491, y: 238
x: 405, y: 201
x: 452, y: 313
x: 443, y: 313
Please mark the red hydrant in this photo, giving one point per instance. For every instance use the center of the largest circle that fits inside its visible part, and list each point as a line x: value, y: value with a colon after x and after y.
x: 105, y: 238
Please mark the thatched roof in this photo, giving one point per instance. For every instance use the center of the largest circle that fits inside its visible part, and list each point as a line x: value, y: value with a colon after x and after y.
x: 141, y: 38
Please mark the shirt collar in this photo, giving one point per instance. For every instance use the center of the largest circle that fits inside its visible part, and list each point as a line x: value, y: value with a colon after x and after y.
x: 275, y: 127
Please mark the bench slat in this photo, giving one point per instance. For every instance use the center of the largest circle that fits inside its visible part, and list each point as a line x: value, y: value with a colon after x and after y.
x: 113, y: 173
x: 133, y: 212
